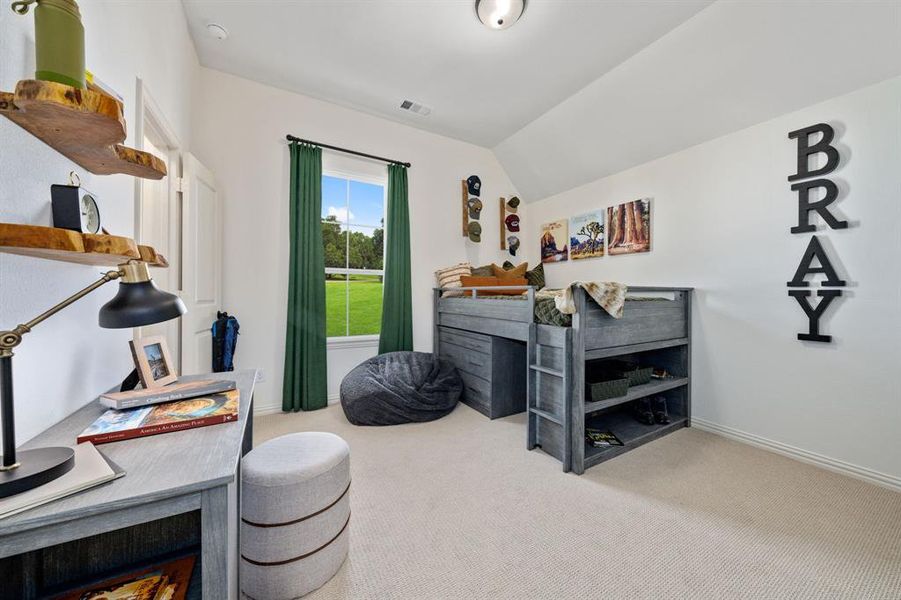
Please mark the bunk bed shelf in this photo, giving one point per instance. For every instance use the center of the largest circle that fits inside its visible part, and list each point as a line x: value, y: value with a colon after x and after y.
x: 634, y: 348
x: 632, y: 434
x: 653, y: 388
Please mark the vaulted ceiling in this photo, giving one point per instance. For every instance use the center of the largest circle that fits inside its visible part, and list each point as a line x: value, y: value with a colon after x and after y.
x: 577, y: 89
x: 482, y: 85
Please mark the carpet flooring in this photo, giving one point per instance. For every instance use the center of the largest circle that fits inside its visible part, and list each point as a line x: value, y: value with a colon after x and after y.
x: 458, y: 509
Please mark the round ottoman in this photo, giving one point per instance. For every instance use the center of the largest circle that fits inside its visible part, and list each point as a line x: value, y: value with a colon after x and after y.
x: 295, y: 510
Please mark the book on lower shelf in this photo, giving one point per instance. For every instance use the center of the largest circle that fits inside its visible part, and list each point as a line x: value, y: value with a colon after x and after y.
x: 115, y: 425
x: 164, y: 581
x: 91, y: 469
x: 601, y: 439
x: 167, y: 393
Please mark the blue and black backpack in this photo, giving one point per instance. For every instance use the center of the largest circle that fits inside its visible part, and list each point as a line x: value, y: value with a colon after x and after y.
x: 225, y: 341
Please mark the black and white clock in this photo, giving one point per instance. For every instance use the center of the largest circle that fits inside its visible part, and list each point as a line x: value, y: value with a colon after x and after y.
x: 74, y: 208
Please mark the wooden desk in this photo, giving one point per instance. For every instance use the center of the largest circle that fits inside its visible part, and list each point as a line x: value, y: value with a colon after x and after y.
x: 166, y: 475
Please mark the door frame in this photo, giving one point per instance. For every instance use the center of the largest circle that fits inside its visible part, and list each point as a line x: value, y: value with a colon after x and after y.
x: 148, y: 113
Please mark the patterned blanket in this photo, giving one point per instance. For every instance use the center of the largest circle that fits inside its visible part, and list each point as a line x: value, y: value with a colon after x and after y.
x: 609, y: 295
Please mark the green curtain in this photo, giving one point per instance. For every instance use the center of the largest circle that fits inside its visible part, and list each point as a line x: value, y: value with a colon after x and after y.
x: 397, y: 306
x: 305, y: 386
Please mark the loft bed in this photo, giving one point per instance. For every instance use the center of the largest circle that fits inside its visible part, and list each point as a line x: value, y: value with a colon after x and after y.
x: 496, y: 344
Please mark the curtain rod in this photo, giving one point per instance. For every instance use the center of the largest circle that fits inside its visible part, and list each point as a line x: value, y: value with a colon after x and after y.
x: 292, y: 138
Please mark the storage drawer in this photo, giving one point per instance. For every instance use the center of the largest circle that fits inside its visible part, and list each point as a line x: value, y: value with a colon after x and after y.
x: 476, y: 392
x: 473, y: 341
x: 466, y: 360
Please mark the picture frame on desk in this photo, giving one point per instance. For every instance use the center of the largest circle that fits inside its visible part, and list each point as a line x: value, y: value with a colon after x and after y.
x: 153, y: 361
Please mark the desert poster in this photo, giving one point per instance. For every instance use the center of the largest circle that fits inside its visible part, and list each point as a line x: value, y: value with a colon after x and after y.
x: 586, y: 235
x: 554, y: 241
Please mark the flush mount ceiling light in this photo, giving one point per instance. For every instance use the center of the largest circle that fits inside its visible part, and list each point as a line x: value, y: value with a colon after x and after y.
x: 499, y: 14
x: 217, y: 31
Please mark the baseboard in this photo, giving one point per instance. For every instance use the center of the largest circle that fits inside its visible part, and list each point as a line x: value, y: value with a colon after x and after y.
x: 825, y: 462
x: 268, y: 409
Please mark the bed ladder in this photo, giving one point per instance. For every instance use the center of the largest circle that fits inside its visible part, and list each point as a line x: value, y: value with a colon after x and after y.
x: 533, y: 391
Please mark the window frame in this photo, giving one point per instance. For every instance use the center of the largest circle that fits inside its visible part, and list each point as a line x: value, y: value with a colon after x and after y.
x: 366, y: 340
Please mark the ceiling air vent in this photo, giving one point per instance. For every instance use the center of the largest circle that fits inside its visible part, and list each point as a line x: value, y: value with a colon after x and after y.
x: 415, y: 107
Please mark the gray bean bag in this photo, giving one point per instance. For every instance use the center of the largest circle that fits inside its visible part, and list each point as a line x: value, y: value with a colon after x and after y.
x: 400, y: 387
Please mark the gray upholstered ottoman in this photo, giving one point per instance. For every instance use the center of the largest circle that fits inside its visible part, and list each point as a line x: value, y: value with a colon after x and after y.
x: 295, y: 510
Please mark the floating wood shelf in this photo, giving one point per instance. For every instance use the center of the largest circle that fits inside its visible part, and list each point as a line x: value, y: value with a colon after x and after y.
x: 85, y: 126
x: 71, y: 246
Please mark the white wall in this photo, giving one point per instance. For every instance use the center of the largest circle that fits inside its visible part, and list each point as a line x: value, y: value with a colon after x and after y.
x: 68, y: 360
x: 240, y: 134
x: 721, y: 217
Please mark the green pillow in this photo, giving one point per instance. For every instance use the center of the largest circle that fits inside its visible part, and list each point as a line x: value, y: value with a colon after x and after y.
x: 483, y: 271
x: 535, y: 277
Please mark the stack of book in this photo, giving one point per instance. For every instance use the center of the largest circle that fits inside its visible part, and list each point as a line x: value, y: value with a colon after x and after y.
x: 170, y: 408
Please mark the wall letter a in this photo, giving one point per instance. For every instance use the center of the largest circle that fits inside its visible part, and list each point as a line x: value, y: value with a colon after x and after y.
x: 815, y: 251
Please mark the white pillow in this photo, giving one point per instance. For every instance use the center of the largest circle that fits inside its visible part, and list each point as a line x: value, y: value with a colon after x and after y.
x: 449, y: 277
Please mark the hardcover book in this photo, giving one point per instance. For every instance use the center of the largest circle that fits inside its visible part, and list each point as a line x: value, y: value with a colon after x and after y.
x: 116, y: 425
x: 166, y: 581
x: 168, y: 393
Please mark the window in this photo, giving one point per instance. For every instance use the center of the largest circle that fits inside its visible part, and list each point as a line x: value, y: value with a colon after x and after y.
x: 353, y: 236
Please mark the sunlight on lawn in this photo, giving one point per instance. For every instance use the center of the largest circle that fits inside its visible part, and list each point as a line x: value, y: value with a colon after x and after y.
x: 365, y: 306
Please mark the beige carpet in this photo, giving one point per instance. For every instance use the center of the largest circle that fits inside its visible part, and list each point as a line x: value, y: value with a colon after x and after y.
x: 457, y: 508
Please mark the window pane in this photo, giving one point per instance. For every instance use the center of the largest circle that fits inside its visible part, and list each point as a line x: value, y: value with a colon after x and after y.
x: 334, y: 198
x: 366, y: 248
x: 335, y: 305
x: 367, y: 204
x: 334, y: 242
x: 365, y: 304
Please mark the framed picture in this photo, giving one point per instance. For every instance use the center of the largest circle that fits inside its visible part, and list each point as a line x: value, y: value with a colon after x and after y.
x: 554, y: 242
x: 152, y: 360
x: 629, y: 227
x: 586, y: 235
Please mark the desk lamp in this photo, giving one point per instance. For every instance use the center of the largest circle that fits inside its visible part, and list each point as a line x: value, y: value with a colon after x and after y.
x: 138, y: 302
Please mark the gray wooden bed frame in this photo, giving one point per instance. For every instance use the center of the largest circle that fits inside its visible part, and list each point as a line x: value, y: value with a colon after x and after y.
x: 555, y: 369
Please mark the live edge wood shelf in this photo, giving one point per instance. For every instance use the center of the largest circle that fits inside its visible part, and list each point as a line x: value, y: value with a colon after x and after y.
x: 74, y: 247
x: 84, y: 125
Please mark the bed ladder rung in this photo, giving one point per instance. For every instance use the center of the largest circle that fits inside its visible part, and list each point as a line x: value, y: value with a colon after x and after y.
x: 547, y: 371
x: 546, y: 415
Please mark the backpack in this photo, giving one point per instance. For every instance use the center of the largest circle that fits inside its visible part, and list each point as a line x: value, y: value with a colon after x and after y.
x: 225, y: 341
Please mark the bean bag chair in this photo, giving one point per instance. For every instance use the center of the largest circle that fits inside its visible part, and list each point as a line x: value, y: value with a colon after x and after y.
x: 400, y: 387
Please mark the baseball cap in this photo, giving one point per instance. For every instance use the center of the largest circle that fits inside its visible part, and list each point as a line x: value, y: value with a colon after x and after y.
x: 474, y: 184
x: 475, y: 208
x: 475, y: 231
x: 513, y: 204
x: 512, y: 222
x: 512, y: 244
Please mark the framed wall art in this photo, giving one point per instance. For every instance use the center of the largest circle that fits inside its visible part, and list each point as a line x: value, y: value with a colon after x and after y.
x: 554, y: 241
x: 586, y: 235
x: 629, y: 227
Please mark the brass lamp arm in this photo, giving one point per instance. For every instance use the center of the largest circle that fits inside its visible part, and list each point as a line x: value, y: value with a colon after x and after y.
x: 11, y: 339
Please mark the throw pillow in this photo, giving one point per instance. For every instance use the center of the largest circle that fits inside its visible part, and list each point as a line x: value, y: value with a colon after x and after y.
x: 472, y: 281
x: 502, y: 273
x: 450, y: 277
x: 536, y: 277
x: 485, y: 271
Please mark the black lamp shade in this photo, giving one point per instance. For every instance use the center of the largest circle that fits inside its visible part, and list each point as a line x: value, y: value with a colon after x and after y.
x: 137, y: 304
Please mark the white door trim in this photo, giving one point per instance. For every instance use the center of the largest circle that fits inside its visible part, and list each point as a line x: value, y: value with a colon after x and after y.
x: 149, y: 114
